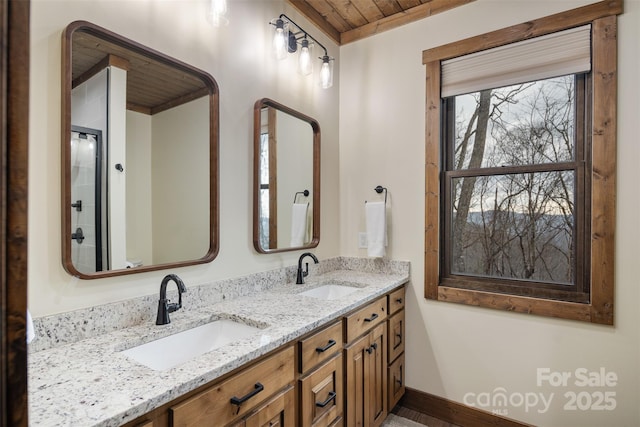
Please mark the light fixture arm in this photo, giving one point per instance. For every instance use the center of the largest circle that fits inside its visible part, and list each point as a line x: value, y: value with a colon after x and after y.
x: 301, y: 31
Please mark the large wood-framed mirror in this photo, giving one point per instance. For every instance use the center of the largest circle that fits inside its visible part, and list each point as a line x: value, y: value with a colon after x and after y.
x: 139, y: 157
x: 286, y: 178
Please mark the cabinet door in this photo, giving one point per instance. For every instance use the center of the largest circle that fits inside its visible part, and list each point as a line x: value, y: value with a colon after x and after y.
x: 377, y: 354
x: 321, y: 395
x: 366, y: 366
x: 396, y: 381
x: 396, y: 335
x: 277, y: 412
x: 357, y: 367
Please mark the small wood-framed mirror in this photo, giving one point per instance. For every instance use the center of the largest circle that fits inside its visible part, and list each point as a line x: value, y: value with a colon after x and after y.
x: 139, y: 157
x: 286, y: 178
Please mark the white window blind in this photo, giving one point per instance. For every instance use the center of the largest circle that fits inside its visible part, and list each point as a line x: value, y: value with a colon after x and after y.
x: 551, y: 55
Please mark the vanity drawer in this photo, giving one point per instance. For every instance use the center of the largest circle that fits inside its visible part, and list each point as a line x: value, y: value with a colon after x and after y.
x: 320, y: 346
x: 396, y: 335
x: 321, y: 395
x: 366, y: 318
x: 251, y: 387
x: 396, y: 300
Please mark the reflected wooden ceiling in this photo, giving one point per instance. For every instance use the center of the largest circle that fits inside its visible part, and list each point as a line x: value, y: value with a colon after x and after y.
x: 345, y: 21
x: 153, y: 85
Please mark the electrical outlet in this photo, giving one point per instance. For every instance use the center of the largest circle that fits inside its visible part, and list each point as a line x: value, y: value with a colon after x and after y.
x: 362, y: 240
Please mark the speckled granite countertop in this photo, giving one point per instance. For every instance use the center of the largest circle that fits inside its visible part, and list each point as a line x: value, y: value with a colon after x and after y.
x: 90, y: 383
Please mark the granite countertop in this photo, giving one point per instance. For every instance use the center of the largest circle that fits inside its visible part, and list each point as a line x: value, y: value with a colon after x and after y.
x: 90, y: 383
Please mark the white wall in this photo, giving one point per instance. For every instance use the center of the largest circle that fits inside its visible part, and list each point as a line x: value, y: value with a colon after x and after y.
x: 238, y: 56
x: 455, y: 349
x: 139, y: 235
x: 180, y: 182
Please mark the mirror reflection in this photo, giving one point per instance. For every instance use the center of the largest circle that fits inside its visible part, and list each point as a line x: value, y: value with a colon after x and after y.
x: 140, y: 177
x: 286, y: 178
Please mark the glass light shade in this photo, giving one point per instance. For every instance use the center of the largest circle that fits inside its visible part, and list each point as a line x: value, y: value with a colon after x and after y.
x: 280, y: 39
x: 326, y: 72
x: 305, y: 66
x: 217, y: 12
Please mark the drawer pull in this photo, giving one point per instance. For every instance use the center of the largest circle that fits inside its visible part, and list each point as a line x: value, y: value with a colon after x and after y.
x: 332, y: 395
x: 240, y: 400
x: 330, y: 344
x: 399, y: 300
x: 373, y: 317
x: 372, y: 348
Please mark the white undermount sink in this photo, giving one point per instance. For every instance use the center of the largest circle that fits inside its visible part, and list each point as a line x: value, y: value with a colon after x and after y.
x: 171, y: 351
x: 329, y: 292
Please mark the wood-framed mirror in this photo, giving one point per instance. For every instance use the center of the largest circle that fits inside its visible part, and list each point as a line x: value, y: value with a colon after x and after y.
x: 286, y: 178
x: 139, y: 157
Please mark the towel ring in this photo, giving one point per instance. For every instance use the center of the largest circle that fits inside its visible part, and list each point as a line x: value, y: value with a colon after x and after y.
x: 379, y: 189
x: 305, y: 193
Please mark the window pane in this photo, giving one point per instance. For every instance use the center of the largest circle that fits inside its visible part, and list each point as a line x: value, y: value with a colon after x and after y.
x: 516, y: 226
x: 264, y: 159
x: 264, y: 218
x: 531, y: 123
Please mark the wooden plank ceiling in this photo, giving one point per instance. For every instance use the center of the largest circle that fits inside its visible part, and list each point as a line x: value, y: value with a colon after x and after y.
x: 345, y: 21
x: 153, y: 85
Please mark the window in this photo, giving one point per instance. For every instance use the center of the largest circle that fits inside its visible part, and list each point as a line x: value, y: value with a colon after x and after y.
x: 520, y: 170
x: 514, y: 205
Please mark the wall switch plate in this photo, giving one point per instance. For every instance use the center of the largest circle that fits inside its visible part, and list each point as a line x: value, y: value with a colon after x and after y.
x: 362, y: 240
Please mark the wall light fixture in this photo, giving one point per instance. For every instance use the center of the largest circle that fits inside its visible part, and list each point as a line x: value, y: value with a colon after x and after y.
x: 217, y: 12
x: 287, y: 36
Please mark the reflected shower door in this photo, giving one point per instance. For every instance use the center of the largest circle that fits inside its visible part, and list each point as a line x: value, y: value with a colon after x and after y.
x: 89, y: 251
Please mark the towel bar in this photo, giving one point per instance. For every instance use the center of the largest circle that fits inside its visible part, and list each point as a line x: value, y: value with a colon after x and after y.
x: 379, y: 189
x: 305, y: 193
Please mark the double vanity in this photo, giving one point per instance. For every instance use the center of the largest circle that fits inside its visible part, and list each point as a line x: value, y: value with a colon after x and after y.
x: 244, y: 351
x: 249, y: 351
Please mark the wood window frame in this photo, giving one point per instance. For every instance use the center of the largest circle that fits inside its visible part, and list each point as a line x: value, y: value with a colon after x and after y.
x: 600, y: 309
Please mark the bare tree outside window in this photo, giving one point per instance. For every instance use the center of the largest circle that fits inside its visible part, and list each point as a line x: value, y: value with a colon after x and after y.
x: 512, y: 174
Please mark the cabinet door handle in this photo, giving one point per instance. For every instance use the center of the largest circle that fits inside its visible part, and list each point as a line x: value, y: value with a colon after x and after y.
x: 330, y: 344
x: 399, y: 381
x: 332, y: 395
x: 371, y: 348
x: 373, y: 317
x: 240, y: 400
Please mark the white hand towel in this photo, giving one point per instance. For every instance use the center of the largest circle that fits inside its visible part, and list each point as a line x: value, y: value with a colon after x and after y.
x: 298, y: 223
x: 31, y: 334
x: 376, y: 215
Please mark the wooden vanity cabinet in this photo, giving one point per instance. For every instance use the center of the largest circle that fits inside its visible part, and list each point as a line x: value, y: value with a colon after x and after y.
x: 349, y: 373
x: 366, y: 365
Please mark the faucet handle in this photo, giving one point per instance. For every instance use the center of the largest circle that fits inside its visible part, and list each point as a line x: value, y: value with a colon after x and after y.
x: 171, y: 307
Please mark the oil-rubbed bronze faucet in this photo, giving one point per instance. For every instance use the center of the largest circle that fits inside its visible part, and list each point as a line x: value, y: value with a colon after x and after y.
x: 164, y: 307
x: 302, y: 274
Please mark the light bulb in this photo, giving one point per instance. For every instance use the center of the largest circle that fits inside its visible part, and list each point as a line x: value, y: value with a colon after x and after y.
x: 326, y: 73
x: 280, y: 40
x: 305, y: 67
x: 217, y: 12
